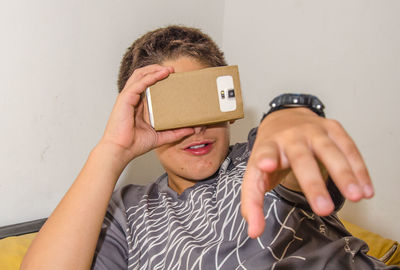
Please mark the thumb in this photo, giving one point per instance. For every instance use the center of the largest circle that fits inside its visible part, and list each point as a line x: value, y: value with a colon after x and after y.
x: 170, y: 136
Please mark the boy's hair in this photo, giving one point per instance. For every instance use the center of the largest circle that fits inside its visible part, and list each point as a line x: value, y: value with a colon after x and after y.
x: 167, y: 44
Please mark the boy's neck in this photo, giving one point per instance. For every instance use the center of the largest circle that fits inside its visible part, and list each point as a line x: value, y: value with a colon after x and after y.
x: 179, y: 184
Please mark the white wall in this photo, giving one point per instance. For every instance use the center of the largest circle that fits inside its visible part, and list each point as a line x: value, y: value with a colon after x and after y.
x: 59, y: 62
x: 346, y: 52
x: 58, y: 73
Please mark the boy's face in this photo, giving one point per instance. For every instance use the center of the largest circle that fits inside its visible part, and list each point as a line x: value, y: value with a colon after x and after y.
x: 199, y: 155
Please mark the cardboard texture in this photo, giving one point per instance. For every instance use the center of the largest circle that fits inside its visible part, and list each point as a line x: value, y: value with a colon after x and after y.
x: 195, y: 98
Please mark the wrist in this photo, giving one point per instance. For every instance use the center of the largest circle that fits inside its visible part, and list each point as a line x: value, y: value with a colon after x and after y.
x: 288, y: 101
x: 112, y: 156
x: 290, y: 114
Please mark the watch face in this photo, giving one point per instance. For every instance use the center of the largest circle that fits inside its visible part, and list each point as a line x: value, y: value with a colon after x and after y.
x: 298, y: 100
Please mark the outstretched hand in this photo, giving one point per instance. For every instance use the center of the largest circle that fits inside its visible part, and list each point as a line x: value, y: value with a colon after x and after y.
x: 126, y: 128
x: 299, y: 140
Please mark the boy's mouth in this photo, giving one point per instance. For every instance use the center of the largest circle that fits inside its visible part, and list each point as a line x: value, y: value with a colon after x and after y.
x: 199, y: 149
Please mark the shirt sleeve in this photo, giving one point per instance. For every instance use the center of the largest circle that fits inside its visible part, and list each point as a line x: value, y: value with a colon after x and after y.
x: 112, y: 247
x: 298, y: 198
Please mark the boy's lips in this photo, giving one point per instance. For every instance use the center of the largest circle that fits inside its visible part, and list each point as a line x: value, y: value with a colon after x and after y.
x: 199, y: 148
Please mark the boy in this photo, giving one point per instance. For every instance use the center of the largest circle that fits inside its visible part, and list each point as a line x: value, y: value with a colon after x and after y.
x: 190, y: 217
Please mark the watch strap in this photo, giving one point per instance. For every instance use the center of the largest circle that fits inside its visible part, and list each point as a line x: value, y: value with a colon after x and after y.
x: 286, y: 101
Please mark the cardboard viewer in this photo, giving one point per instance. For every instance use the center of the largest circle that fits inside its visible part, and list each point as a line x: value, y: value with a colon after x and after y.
x: 195, y: 98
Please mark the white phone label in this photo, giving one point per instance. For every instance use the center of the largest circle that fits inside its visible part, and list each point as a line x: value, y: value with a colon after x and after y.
x: 226, y: 94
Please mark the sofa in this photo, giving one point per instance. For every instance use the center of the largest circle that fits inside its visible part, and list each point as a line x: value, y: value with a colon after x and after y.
x: 15, y: 240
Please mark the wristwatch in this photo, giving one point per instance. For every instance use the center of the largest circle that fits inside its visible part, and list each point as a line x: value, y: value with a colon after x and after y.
x: 286, y: 101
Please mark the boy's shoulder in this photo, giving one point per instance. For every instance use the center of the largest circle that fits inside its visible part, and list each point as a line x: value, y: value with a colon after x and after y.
x: 240, y: 152
x: 132, y: 194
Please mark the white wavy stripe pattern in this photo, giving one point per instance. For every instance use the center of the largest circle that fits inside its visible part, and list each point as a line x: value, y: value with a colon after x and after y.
x: 164, y: 233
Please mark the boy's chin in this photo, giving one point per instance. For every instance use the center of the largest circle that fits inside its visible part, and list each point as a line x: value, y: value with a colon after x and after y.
x: 204, y: 176
x: 200, y: 175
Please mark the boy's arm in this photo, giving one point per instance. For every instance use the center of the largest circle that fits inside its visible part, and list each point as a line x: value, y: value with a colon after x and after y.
x: 299, y: 139
x: 68, y: 238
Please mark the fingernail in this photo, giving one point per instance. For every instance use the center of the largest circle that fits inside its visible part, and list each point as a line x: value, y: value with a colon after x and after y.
x: 368, y: 191
x: 323, y: 203
x: 354, y: 190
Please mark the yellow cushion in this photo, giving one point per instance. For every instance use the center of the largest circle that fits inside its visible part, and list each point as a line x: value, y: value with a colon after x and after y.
x: 384, y: 249
x: 12, y: 250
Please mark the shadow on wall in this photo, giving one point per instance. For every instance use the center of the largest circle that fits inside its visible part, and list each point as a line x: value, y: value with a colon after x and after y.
x: 142, y: 170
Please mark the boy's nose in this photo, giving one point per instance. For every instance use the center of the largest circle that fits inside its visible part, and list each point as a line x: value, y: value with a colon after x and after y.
x: 200, y: 129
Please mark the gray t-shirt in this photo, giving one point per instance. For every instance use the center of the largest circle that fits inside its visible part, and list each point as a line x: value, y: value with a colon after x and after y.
x: 152, y: 227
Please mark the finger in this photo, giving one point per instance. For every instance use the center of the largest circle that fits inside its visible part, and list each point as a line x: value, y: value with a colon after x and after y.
x: 264, y: 159
x: 141, y: 72
x: 308, y: 174
x: 151, y: 74
x: 350, y: 150
x: 338, y: 167
x: 131, y: 93
x: 151, y: 78
x: 266, y: 156
x: 252, y: 200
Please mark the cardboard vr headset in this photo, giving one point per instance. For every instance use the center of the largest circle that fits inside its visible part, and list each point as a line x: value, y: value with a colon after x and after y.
x: 202, y: 97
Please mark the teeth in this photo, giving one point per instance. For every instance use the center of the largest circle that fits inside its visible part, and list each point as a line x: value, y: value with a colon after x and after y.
x: 197, y: 146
